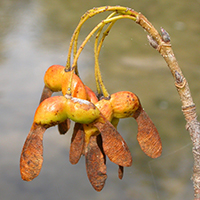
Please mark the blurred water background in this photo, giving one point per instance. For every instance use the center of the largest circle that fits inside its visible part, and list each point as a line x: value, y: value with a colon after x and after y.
x: 36, y: 34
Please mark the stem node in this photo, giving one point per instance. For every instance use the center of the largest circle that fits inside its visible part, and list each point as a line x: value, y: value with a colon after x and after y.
x: 180, y: 80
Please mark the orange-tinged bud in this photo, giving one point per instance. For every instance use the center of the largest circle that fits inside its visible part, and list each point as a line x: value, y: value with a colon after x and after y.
x: 124, y: 104
x: 53, y: 77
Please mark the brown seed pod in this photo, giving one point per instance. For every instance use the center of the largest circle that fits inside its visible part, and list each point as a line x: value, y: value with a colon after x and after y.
x: 64, y: 126
x: 77, y: 144
x: 95, y: 163
x: 147, y: 136
x: 32, y: 153
x: 120, y: 172
x: 114, y: 145
x: 124, y: 104
x: 46, y: 93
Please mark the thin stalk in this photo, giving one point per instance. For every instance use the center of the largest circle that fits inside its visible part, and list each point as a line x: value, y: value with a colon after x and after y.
x: 99, y: 82
x: 103, y: 22
x: 90, y: 13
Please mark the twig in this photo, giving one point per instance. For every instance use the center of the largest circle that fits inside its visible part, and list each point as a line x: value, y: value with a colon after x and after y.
x: 162, y: 44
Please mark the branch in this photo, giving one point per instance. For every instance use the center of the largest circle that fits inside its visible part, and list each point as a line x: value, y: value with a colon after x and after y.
x: 162, y: 44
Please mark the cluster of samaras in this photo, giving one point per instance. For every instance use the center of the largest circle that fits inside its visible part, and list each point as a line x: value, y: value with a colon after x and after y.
x: 95, y: 132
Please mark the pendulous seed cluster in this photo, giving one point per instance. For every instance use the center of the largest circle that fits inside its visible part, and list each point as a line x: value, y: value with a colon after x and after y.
x: 96, y: 116
x: 95, y: 132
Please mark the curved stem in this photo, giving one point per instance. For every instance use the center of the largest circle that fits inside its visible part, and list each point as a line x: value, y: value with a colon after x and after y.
x: 90, y: 13
x: 99, y: 82
x: 104, y: 91
x: 96, y: 65
x: 74, y: 40
x: 103, y: 22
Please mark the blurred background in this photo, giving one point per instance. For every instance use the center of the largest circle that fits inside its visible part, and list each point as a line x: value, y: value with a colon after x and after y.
x: 36, y: 34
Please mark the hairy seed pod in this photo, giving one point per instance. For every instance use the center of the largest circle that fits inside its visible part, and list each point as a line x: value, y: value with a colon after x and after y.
x: 124, y: 104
